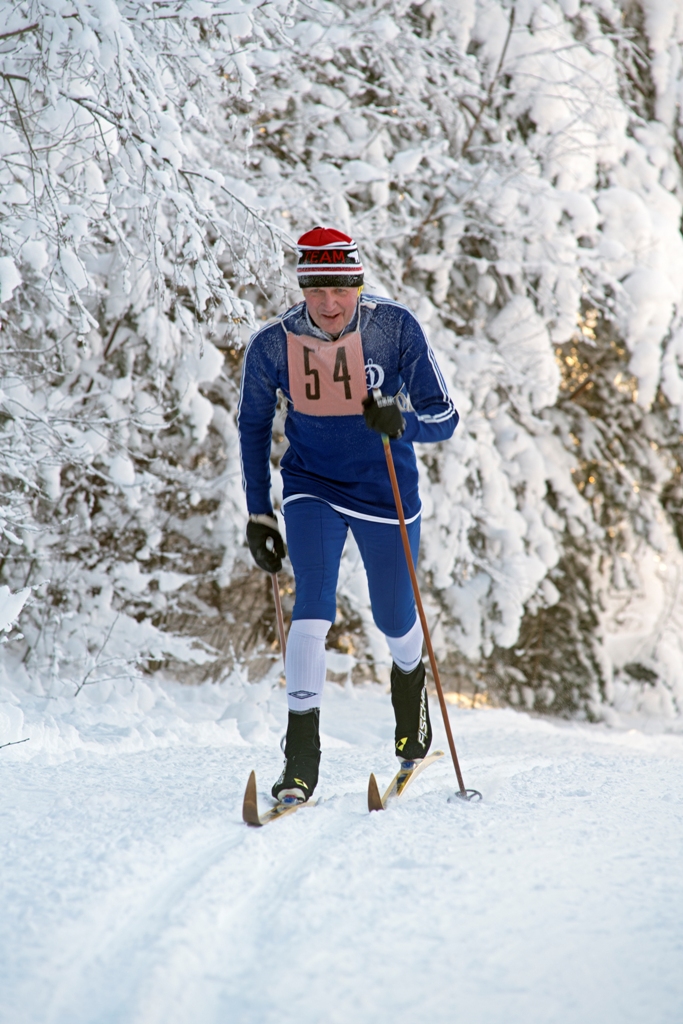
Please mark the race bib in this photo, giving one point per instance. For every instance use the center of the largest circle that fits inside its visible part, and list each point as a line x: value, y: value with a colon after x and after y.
x: 326, y: 378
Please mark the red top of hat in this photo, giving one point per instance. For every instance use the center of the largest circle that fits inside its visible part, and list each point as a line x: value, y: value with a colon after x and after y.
x: 319, y: 237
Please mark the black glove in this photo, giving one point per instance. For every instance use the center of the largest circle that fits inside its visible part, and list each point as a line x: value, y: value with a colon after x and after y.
x: 265, y: 543
x: 383, y: 415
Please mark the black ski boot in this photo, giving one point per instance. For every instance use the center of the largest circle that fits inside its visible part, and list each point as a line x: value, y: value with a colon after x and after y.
x: 411, y: 710
x: 302, y: 752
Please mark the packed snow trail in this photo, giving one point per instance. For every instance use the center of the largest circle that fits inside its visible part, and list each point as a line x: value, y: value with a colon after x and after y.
x: 132, y: 892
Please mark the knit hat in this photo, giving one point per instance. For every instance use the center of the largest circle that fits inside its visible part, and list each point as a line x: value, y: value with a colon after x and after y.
x: 328, y: 259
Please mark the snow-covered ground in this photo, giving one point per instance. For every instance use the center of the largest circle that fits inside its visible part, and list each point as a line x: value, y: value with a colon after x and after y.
x: 132, y: 892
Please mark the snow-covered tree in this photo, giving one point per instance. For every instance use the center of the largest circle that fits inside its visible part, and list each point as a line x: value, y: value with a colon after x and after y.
x: 511, y: 172
x: 123, y: 251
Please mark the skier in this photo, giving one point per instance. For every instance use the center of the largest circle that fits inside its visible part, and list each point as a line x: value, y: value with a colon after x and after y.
x: 350, y: 366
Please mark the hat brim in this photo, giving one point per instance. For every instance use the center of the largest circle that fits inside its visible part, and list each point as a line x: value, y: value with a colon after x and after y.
x: 330, y: 280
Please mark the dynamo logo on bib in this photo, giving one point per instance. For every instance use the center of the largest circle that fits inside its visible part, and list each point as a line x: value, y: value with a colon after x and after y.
x: 374, y: 375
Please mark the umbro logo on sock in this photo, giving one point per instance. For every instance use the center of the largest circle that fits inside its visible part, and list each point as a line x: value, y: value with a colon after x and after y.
x: 301, y: 694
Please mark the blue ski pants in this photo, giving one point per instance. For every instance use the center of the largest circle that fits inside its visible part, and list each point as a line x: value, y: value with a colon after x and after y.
x: 316, y: 534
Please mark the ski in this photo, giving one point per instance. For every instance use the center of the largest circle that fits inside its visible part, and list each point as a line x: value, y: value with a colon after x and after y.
x: 250, y: 811
x: 399, y: 784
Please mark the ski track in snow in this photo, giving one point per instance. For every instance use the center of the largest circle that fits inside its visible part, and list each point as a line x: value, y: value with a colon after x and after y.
x: 132, y: 892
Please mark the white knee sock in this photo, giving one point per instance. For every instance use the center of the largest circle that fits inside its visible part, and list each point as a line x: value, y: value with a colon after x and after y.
x: 305, y: 663
x: 406, y: 650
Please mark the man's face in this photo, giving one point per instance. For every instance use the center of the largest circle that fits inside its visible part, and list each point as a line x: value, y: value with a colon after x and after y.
x: 331, y: 308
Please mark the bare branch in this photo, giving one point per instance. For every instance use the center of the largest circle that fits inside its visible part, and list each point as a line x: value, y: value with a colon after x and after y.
x: 14, y: 743
x: 20, y: 31
x: 486, y: 102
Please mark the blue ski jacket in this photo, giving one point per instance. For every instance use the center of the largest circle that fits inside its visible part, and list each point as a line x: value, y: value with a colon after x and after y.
x: 338, y: 458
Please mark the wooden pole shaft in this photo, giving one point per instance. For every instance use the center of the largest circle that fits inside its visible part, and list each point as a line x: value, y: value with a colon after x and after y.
x: 420, y: 611
x: 278, y: 614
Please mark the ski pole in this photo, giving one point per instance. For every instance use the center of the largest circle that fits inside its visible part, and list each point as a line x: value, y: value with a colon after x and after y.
x: 278, y: 614
x: 464, y: 794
